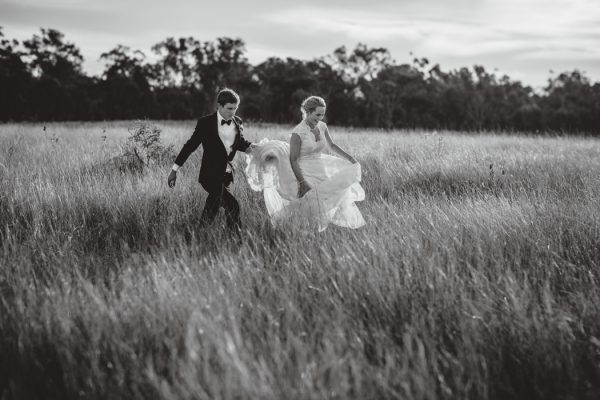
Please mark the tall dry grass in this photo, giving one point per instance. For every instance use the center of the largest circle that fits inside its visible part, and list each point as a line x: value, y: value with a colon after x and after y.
x: 476, y: 277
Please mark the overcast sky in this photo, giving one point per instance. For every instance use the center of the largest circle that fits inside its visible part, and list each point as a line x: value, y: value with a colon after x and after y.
x: 522, y: 38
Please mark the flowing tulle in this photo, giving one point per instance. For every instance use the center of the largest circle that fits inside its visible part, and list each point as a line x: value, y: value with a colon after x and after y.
x: 335, y: 186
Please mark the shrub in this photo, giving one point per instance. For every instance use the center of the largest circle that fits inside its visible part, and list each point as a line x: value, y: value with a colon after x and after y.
x: 143, y: 149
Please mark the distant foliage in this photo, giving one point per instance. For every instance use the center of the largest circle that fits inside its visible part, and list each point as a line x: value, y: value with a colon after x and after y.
x: 42, y: 80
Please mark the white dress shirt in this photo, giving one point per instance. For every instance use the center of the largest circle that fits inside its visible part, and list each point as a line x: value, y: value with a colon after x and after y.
x: 227, y: 134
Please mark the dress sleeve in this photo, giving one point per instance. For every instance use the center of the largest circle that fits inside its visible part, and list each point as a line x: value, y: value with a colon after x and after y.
x: 300, y: 131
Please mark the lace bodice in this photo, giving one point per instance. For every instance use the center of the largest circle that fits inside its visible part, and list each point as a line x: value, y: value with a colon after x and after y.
x: 310, y: 146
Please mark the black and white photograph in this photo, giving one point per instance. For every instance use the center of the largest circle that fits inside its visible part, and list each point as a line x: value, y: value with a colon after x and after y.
x: 385, y: 199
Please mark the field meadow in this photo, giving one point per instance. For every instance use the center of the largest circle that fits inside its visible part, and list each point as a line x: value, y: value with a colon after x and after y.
x: 477, y: 275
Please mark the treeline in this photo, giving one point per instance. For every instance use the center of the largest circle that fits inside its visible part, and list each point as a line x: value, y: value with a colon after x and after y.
x: 41, y: 79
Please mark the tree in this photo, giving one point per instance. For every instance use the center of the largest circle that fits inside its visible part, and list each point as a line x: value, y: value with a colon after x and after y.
x: 283, y: 86
x: 15, y: 81
x: 58, y: 91
x: 219, y: 65
x: 127, y: 90
x: 356, y: 70
x: 398, y: 97
x: 342, y: 107
x: 51, y: 56
x: 363, y: 63
x: 176, y: 66
x: 572, y: 103
x: 42, y: 79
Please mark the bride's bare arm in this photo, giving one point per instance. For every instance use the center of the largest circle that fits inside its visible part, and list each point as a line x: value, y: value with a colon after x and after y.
x: 337, y: 149
x: 295, y: 143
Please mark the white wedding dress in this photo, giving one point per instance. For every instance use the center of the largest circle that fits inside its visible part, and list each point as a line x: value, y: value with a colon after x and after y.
x: 335, y: 182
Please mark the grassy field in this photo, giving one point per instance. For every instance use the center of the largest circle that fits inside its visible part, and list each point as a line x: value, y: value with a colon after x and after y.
x: 476, y: 277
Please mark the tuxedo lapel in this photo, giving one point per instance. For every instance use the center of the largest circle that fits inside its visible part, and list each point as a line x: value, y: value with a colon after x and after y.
x: 237, y: 126
x: 238, y: 133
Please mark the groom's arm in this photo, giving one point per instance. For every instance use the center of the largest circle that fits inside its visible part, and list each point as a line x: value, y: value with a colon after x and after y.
x: 191, y: 145
x: 245, y: 145
x: 241, y: 144
x: 188, y: 148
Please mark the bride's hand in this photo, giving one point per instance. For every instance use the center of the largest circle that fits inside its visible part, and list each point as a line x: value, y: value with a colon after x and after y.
x: 303, y: 188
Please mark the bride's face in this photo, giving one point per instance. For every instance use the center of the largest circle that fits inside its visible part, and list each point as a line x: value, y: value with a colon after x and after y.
x: 317, y: 115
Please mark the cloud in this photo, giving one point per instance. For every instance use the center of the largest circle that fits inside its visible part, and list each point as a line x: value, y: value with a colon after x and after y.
x: 54, y: 15
x: 506, y: 33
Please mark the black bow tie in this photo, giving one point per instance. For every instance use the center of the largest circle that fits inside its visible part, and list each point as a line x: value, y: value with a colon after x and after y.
x: 223, y: 122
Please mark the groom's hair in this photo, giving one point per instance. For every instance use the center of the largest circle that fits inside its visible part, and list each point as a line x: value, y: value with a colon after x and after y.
x: 227, y: 96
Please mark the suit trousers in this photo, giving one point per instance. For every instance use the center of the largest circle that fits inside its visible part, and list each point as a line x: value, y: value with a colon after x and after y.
x: 222, y: 197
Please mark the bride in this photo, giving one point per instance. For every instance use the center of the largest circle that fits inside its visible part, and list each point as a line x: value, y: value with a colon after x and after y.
x: 300, y: 180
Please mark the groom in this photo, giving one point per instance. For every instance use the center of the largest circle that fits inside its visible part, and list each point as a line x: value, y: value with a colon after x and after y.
x: 221, y: 136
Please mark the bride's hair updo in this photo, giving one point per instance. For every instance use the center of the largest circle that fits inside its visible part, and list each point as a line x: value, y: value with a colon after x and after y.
x: 310, y: 104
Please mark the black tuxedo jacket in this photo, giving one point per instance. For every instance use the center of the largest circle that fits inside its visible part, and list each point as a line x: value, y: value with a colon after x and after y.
x: 214, y: 158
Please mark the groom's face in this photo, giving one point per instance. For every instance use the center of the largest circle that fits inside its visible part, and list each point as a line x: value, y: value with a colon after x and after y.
x: 228, y: 110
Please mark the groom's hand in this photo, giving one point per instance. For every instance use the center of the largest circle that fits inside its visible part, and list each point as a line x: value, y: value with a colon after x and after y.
x: 172, y: 178
x: 250, y: 148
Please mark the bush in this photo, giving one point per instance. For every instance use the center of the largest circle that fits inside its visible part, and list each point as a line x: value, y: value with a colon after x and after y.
x: 143, y: 149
